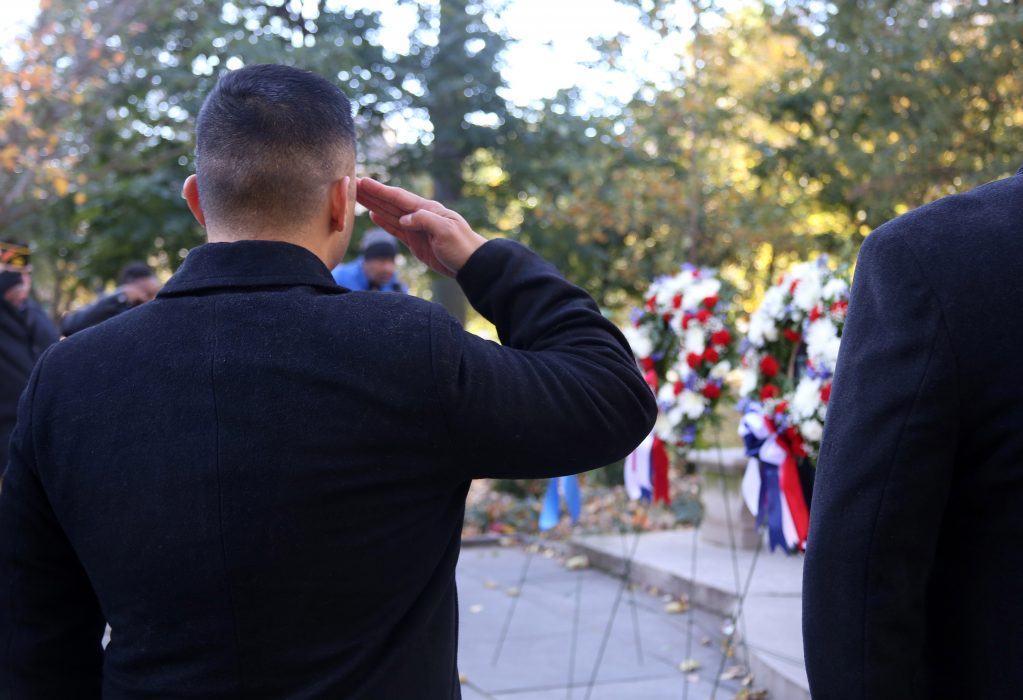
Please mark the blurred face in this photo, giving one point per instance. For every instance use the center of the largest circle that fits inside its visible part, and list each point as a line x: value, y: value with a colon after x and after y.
x: 18, y: 294
x: 379, y: 270
x: 142, y: 290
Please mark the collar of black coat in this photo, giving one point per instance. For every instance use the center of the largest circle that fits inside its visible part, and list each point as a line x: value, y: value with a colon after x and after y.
x: 249, y: 264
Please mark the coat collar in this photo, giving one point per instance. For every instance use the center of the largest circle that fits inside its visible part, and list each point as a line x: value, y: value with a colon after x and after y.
x: 249, y: 264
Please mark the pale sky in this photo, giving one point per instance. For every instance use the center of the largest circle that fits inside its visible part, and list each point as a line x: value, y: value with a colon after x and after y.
x: 552, y: 43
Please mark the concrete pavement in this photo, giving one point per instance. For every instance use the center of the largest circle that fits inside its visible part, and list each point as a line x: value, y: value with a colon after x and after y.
x: 537, y: 660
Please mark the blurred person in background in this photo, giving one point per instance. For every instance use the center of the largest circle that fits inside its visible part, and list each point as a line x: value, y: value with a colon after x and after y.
x: 25, y: 331
x: 137, y: 284
x: 375, y: 268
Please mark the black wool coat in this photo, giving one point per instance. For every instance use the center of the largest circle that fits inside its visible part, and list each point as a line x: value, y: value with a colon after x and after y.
x: 258, y: 479
x: 915, y: 555
x: 24, y: 335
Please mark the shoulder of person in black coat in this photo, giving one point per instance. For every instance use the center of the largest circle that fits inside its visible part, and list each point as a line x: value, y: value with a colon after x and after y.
x: 918, y: 423
x: 89, y: 315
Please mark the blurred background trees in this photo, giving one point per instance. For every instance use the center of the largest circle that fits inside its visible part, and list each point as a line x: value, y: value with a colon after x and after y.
x: 783, y: 129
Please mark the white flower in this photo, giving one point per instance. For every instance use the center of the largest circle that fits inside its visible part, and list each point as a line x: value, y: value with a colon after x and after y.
x: 819, y: 336
x: 836, y: 288
x: 664, y: 427
x: 700, y: 290
x: 812, y: 430
x: 806, y: 398
x: 720, y: 370
x: 639, y: 341
x: 666, y: 394
x: 749, y: 382
x: 774, y: 302
x: 692, y: 404
x: 762, y: 330
x: 695, y: 341
x: 808, y: 291
x: 823, y: 344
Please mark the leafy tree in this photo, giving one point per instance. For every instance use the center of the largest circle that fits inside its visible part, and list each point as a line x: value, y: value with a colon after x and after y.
x: 903, y: 102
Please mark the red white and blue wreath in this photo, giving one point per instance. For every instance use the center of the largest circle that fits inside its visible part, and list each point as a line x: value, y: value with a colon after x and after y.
x: 683, y: 343
x: 788, y: 362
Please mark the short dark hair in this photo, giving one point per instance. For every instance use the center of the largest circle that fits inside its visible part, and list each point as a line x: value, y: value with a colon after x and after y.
x: 269, y: 139
x: 134, y: 271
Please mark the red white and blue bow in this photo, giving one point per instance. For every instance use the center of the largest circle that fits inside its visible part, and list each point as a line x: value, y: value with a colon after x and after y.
x: 646, y: 471
x: 771, y: 486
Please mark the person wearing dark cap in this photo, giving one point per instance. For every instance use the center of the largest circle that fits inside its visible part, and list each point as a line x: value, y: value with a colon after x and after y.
x: 137, y: 284
x: 25, y: 331
x: 374, y: 269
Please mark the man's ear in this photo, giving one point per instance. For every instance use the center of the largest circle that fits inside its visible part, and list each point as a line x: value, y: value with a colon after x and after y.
x: 190, y: 193
x: 342, y: 196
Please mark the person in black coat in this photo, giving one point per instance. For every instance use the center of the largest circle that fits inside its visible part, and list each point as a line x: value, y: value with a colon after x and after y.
x: 258, y: 479
x: 25, y: 332
x: 914, y: 555
x: 137, y: 284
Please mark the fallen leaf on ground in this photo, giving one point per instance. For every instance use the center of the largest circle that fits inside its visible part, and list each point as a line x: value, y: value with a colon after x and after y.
x: 677, y: 607
x: 490, y: 583
x: 732, y: 672
x: 689, y: 665
x: 579, y: 561
x: 475, y: 609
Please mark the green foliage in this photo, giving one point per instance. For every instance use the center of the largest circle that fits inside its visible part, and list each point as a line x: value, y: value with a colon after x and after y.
x: 785, y: 129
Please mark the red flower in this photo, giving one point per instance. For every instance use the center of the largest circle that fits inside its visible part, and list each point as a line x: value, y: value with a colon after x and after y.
x: 712, y: 391
x: 815, y: 313
x: 676, y: 301
x: 826, y: 392
x: 711, y: 301
x: 840, y: 307
x: 678, y: 388
x: 667, y: 317
x: 651, y: 302
x: 722, y: 337
x: 711, y: 355
x: 794, y: 286
x: 651, y: 379
x: 781, y: 407
x: 769, y: 366
x: 694, y: 360
x: 770, y: 391
x: 686, y: 318
x: 703, y: 315
x: 791, y: 335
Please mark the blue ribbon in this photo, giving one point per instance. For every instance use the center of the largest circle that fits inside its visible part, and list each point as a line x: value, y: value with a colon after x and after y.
x: 769, y: 500
x: 550, y: 515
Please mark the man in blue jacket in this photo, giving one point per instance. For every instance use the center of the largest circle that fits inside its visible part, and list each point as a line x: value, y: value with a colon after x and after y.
x: 375, y: 269
x: 258, y: 479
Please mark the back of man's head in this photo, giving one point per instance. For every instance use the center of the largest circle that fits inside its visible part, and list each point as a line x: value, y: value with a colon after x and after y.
x: 133, y: 272
x: 269, y: 141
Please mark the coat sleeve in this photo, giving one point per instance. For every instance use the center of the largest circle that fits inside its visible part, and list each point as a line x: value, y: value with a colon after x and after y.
x: 88, y: 316
x: 561, y: 395
x: 51, y: 627
x: 882, y: 481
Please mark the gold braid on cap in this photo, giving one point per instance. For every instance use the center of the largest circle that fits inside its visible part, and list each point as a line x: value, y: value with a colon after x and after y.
x: 14, y: 257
